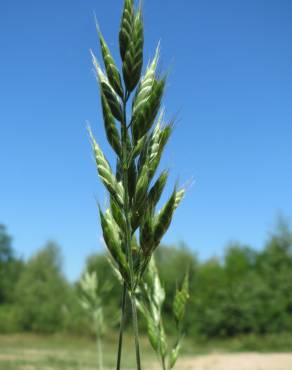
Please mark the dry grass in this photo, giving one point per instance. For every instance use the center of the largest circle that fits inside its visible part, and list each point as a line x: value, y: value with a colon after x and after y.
x: 23, y: 352
x: 246, y: 361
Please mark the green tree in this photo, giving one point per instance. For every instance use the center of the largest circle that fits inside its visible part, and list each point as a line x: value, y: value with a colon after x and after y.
x: 42, y: 292
x: 274, y: 265
x: 10, y: 267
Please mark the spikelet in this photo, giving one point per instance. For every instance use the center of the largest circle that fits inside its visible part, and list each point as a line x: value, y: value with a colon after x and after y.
x: 157, y: 144
x: 179, y: 197
x: 112, y: 133
x: 174, y: 355
x: 144, y: 90
x: 157, y: 189
x: 133, y: 58
x: 147, y: 236
x: 113, y: 242
x: 156, y: 289
x: 138, y: 147
x: 126, y: 27
x: 110, y: 66
x: 163, y: 219
x: 118, y: 214
x: 114, y: 187
x: 156, y: 152
x: 154, y: 146
x: 153, y: 333
x: 141, y: 186
x: 180, y: 300
x: 150, y: 298
x: 143, y: 118
x: 111, y: 96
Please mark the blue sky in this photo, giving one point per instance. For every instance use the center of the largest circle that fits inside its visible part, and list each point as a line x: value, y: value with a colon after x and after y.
x: 230, y: 83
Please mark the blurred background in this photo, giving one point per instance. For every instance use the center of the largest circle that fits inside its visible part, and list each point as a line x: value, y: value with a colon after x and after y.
x: 230, y: 89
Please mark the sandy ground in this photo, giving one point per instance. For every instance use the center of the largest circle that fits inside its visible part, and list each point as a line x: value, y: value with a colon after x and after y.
x: 244, y: 361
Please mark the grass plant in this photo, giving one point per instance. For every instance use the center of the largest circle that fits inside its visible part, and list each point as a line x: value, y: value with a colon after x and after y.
x: 150, y: 301
x: 135, y: 127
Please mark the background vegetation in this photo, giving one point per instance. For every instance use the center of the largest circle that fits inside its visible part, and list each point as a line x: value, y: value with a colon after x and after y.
x: 245, y: 294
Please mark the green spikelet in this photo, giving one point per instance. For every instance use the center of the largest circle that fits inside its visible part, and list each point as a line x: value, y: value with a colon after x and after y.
x: 164, y: 136
x: 157, y: 144
x: 174, y: 355
x: 137, y: 148
x: 133, y: 59
x: 147, y: 151
x: 157, y: 291
x: 141, y: 187
x: 163, y: 343
x: 126, y: 27
x: 151, y: 145
x: 157, y: 189
x: 111, y: 96
x: 162, y: 143
x: 140, y: 198
x: 136, y: 216
x: 180, y: 300
x: 113, y: 101
x: 146, y: 235
x: 154, y: 147
x: 144, y: 90
x: 105, y: 173
x: 153, y: 334
x: 179, y: 197
x: 110, y: 66
x: 112, y: 133
x: 163, y: 219
x: 113, y: 241
x: 144, y: 153
x: 117, y: 214
x: 143, y: 118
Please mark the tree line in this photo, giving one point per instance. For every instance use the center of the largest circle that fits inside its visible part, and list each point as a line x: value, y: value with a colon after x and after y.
x: 245, y: 291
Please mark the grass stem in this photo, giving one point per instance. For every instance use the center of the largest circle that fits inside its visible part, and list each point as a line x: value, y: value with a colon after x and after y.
x: 124, y: 135
x: 122, y: 324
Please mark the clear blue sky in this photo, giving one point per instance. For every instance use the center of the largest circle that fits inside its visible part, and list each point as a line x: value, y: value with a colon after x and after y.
x: 230, y: 82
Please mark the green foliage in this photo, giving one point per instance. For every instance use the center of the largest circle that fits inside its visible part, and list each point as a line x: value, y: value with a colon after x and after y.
x: 9, y: 319
x: 74, y: 322
x: 6, y: 252
x: 41, y: 292
x: 247, y: 293
x: 10, y: 268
